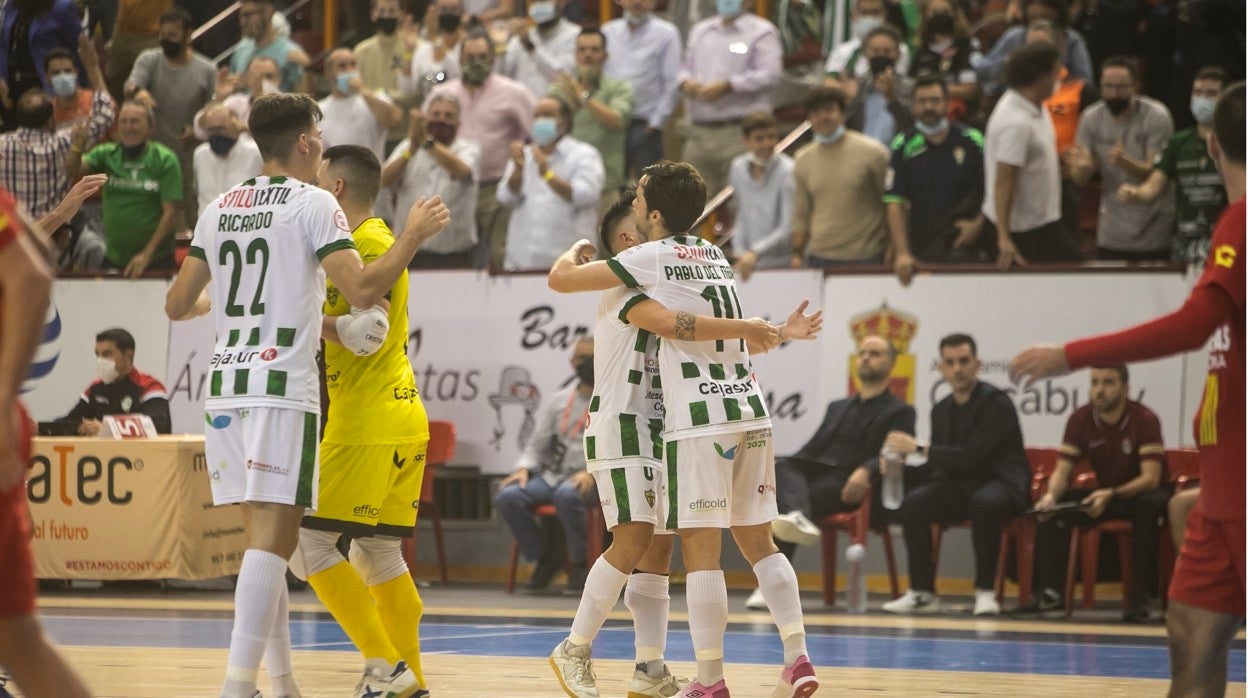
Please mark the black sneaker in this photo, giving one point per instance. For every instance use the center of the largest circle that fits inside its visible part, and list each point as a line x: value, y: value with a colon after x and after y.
x: 1047, y: 601
x: 576, y: 579
x: 543, y: 574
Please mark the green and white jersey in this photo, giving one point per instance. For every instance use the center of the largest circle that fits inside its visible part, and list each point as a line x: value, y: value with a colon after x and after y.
x: 626, y: 410
x: 264, y: 241
x: 708, y: 387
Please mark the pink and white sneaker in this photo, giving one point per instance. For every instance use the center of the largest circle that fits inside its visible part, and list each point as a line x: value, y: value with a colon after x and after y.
x: 697, y: 690
x: 797, y: 680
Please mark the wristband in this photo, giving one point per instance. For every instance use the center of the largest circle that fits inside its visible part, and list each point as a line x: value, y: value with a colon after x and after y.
x: 549, y: 175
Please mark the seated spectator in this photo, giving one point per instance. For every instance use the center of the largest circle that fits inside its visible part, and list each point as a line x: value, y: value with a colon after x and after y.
x: 552, y: 188
x: 992, y: 70
x: 1121, y: 440
x: 28, y: 32
x: 353, y: 114
x: 552, y: 471
x: 119, y: 387
x: 261, y: 38
x: 838, y: 211
x: 434, y: 62
x: 846, y: 63
x: 142, y: 194
x: 434, y: 161
x: 947, y: 48
x: 1121, y: 137
x: 229, y: 158
x: 833, y: 471
x: 974, y: 468
x: 238, y: 92
x: 762, y: 184
x: 937, y: 186
x: 71, y: 104
x: 1199, y: 193
x: 881, y: 104
x: 535, y: 55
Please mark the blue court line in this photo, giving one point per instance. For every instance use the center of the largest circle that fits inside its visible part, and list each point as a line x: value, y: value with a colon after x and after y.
x: 989, y: 654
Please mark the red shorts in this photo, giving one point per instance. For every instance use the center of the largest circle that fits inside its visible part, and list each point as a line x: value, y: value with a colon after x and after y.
x: 17, y: 583
x: 1209, y: 573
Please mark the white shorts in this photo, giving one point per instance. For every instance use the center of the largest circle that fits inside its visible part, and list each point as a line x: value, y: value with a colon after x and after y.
x: 263, y: 454
x: 635, y: 493
x: 722, y: 481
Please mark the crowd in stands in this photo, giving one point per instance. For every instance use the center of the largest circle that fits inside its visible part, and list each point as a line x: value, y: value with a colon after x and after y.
x: 941, y: 131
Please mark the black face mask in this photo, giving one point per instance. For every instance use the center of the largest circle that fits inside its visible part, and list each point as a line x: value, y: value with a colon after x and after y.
x: 941, y: 23
x: 387, y: 25
x: 1117, y: 105
x: 448, y: 24
x: 585, y: 370
x: 879, y: 64
x: 37, y: 116
x: 172, y: 49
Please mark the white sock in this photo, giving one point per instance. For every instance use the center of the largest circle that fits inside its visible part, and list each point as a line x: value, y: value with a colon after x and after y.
x: 707, y: 598
x: 778, y: 582
x: 603, y: 585
x: 646, y: 596
x: 261, y: 581
x: 277, y: 651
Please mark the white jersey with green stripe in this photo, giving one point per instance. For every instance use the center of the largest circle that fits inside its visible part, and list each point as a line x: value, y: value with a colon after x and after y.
x: 263, y: 242
x: 626, y: 410
x: 708, y: 387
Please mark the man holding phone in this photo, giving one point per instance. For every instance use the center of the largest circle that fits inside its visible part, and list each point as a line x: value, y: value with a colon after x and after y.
x: 881, y: 104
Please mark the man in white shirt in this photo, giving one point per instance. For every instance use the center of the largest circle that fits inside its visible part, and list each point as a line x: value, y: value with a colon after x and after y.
x: 552, y: 188
x: 535, y: 56
x: 645, y: 53
x: 847, y: 62
x: 354, y: 114
x: 228, y: 158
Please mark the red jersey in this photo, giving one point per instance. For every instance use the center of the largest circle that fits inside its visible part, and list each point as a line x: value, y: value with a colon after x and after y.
x: 1114, y: 450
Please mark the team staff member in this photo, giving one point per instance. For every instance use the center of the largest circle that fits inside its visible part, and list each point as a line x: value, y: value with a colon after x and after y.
x: 119, y: 388
x: 1207, y: 592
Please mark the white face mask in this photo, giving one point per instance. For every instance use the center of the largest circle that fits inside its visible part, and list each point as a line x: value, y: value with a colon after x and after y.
x: 105, y: 369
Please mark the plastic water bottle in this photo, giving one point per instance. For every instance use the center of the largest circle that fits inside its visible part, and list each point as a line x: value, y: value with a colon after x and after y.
x: 893, y: 485
x: 855, y: 580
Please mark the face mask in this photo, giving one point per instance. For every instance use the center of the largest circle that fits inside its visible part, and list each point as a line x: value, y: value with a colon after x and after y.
x: 761, y: 162
x: 221, y: 145
x: 443, y: 133
x: 543, y: 11
x: 132, y: 152
x: 37, y: 116
x: 831, y: 137
x: 106, y: 369
x: 64, y: 85
x: 172, y: 49
x: 545, y: 130
x: 879, y: 64
x: 387, y: 25
x: 344, y: 80
x: 636, y: 20
x: 1117, y: 105
x: 941, y: 23
x: 1202, y: 109
x: 585, y: 370
x: 932, y: 130
x: 728, y: 8
x: 864, y: 25
x: 269, y: 87
x: 448, y: 24
x: 476, y: 71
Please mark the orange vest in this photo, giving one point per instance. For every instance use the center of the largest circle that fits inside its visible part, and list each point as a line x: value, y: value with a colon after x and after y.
x: 1064, y: 107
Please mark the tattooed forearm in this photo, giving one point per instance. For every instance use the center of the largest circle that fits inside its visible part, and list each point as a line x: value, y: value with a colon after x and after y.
x: 685, y: 325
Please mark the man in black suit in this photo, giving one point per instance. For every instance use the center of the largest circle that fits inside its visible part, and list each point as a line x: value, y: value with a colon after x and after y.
x: 975, y: 468
x: 832, y: 472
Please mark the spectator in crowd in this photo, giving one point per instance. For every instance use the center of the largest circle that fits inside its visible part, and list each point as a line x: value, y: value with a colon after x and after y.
x: 434, y: 161
x: 536, y: 55
x: 261, y: 38
x: 947, y: 48
x: 353, y: 113
x: 880, y: 107
x: 38, y: 160
x: 437, y: 61
x: 1121, y: 439
x: 603, y: 108
x: 239, y: 92
x: 228, y: 157
x: 937, y: 188
x: 486, y: 12
x: 974, y: 468
x: 380, y: 57
x: 136, y: 30
x: 1198, y: 190
x: 142, y: 195
x: 847, y: 62
x: 552, y: 187
x: 762, y: 184
x: 1120, y: 137
x: 73, y: 243
x: 552, y: 471
x: 732, y: 62
x: 1022, y: 173
x: 1071, y: 95
x: 72, y: 104
x: 496, y: 111
x: 119, y: 387
x: 645, y: 53
x: 992, y: 71
x: 838, y: 212
x: 833, y: 472
x: 29, y: 29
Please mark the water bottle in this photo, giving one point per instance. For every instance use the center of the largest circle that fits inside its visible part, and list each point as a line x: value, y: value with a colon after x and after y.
x: 893, y: 485
x: 855, y: 580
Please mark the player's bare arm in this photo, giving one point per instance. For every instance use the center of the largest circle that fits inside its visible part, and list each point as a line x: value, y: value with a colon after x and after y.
x: 654, y: 317
x: 186, y: 298
x: 363, y: 286
x: 25, y: 287
x: 573, y: 272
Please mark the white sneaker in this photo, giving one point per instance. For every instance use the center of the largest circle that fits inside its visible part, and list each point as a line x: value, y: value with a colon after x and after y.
x: 756, y: 602
x: 575, y: 670
x: 644, y: 685
x: 914, y: 602
x: 794, y: 527
x: 986, y: 603
x: 387, y: 682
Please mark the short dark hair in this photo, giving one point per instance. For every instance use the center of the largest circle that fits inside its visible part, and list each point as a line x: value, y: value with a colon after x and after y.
x: 1123, y: 374
x: 477, y: 33
x: 1228, y: 122
x: 565, y: 108
x: 957, y: 339
x: 931, y: 80
x: 179, y: 15
x: 361, y: 170
x: 757, y: 120
x: 123, y: 339
x: 1211, y: 72
x: 1030, y: 62
x: 619, y: 210
x: 884, y: 30
x: 1060, y: 8
x: 594, y: 32
x: 825, y: 96
x: 277, y: 121
x: 58, y: 53
x: 677, y: 191
x: 1127, y: 64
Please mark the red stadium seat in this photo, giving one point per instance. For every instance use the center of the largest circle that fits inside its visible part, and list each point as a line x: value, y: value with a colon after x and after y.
x: 856, y: 523
x: 593, y: 539
x: 439, y: 452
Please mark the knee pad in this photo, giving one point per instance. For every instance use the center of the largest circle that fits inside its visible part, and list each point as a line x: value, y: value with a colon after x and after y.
x: 378, y: 559
x: 317, y: 551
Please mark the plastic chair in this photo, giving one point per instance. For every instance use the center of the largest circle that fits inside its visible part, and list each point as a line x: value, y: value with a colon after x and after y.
x: 856, y: 523
x: 440, y: 450
x: 594, y: 528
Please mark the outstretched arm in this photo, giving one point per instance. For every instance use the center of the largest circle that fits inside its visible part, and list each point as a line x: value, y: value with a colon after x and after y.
x: 574, y: 272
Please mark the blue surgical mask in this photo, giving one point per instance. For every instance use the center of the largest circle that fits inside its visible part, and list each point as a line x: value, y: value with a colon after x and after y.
x: 545, y: 130
x: 543, y: 11
x: 931, y: 130
x: 64, y: 85
x: 728, y: 8
x: 343, y: 80
x: 864, y: 25
x: 1202, y: 109
x: 829, y: 138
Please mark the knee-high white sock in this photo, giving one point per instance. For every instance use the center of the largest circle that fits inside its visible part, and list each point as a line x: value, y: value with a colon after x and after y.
x: 778, y: 582
x: 602, y: 589
x: 277, y: 651
x: 707, y: 597
x: 646, y: 596
x: 260, y: 583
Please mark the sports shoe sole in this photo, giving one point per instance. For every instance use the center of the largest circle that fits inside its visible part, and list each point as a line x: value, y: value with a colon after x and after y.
x: 788, y: 532
x: 559, y: 676
x: 805, y: 687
